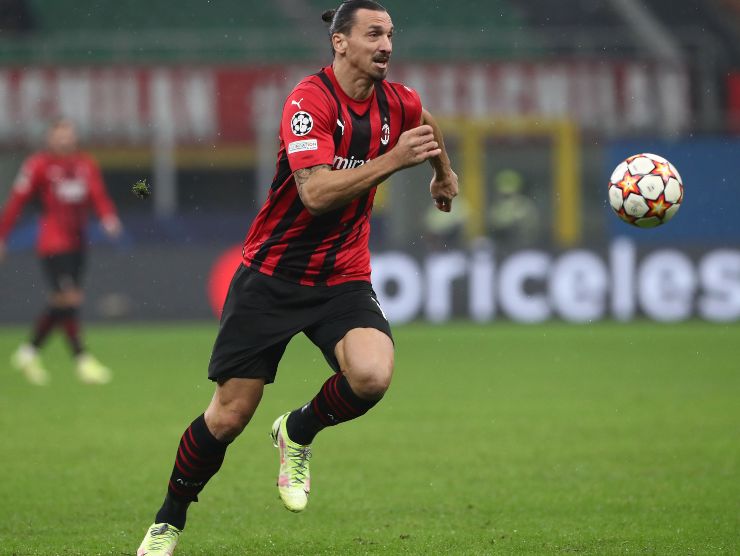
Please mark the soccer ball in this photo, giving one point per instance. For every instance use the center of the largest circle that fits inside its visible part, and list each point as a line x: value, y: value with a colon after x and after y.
x: 645, y: 190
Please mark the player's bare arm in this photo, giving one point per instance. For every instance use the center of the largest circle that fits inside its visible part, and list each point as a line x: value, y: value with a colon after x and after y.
x: 301, y: 177
x: 322, y: 189
x: 443, y: 186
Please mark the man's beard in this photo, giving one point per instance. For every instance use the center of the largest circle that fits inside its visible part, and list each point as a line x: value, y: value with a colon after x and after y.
x: 380, y: 74
x: 378, y: 78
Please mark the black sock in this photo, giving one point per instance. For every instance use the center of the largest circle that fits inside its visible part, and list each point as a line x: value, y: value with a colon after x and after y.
x: 335, y: 403
x: 173, y: 511
x: 70, y: 320
x: 198, y: 458
x: 44, y: 325
x: 303, y: 425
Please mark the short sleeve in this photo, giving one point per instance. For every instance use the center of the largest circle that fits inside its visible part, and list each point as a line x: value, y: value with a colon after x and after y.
x: 411, y: 104
x: 307, y: 128
x: 23, y: 189
x: 101, y: 201
x: 28, y: 175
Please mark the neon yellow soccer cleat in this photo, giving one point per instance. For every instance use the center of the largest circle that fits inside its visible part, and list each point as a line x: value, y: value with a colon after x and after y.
x: 294, y: 479
x: 26, y: 359
x: 92, y: 371
x: 160, y: 540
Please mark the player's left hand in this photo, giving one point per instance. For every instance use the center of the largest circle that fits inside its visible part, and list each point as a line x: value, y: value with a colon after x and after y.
x: 112, y: 226
x: 443, y: 189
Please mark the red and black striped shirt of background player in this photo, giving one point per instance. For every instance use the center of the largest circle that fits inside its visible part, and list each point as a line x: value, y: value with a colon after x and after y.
x: 285, y: 240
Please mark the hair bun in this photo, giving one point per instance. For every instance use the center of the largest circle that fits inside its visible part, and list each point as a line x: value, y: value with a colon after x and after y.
x: 328, y: 16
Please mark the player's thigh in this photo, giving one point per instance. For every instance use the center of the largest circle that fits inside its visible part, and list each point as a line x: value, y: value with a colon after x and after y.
x: 69, y: 296
x: 352, y: 307
x: 255, y: 328
x: 64, y: 273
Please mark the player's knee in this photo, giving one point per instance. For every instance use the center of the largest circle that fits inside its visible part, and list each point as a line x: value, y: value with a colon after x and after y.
x: 75, y: 299
x: 67, y: 298
x: 228, y: 422
x: 371, y: 382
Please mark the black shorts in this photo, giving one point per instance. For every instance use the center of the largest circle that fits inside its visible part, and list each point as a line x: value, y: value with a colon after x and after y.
x: 64, y: 271
x: 262, y: 313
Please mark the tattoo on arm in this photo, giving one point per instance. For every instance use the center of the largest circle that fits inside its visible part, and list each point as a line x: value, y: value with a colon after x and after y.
x: 302, y: 175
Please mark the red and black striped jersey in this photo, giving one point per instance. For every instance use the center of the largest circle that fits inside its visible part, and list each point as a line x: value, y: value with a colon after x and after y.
x: 322, y: 125
x: 68, y: 186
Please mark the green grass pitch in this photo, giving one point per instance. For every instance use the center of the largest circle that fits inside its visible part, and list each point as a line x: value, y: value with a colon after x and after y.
x: 497, y: 439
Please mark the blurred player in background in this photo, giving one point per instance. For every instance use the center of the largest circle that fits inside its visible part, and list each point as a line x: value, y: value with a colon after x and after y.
x: 306, y: 264
x: 513, y: 218
x: 67, y: 182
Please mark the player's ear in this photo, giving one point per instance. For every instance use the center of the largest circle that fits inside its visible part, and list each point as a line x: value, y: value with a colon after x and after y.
x: 339, y: 42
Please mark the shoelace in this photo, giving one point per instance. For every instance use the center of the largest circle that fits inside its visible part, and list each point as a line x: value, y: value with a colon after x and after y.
x: 299, y: 462
x: 161, y: 537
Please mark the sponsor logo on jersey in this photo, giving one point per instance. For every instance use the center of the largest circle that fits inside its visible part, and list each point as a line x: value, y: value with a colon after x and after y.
x: 70, y: 190
x: 304, y: 145
x: 297, y: 103
x: 301, y: 123
x: 341, y: 163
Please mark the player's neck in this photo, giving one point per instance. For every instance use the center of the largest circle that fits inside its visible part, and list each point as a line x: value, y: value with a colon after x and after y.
x: 62, y: 153
x: 355, y: 85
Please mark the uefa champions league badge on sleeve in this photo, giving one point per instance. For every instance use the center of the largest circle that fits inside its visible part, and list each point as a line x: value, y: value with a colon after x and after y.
x: 301, y: 123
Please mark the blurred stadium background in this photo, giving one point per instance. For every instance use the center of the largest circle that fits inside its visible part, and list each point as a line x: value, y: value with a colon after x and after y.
x: 537, y: 98
x: 599, y: 439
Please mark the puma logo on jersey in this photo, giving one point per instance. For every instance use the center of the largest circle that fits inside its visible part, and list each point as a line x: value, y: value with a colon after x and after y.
x: 340, y: 124
x: 297, y: 103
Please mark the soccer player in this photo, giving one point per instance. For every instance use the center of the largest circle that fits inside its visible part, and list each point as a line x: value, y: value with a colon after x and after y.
x: 306, y: 264
x: 67, y: 182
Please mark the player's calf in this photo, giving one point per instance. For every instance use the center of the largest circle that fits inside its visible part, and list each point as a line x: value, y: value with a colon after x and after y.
x: 199, y: 457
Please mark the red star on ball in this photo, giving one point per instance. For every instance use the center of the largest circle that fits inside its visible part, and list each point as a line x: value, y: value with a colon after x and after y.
x: 657, y: 207
x: 663, y: 170
x: 629, y: 184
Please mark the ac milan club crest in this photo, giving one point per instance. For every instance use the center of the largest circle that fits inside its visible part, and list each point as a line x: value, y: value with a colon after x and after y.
x: 385, y: 134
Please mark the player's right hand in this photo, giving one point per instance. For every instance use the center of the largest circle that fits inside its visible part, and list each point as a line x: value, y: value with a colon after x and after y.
x: 415, y: 146
x: 112, y: 226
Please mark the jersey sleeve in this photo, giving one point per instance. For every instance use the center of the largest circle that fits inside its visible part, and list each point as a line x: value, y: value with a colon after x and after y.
x: 101, y: 202
x: 24, y: 187
x: 412, y: 105
x: 307, y: 128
